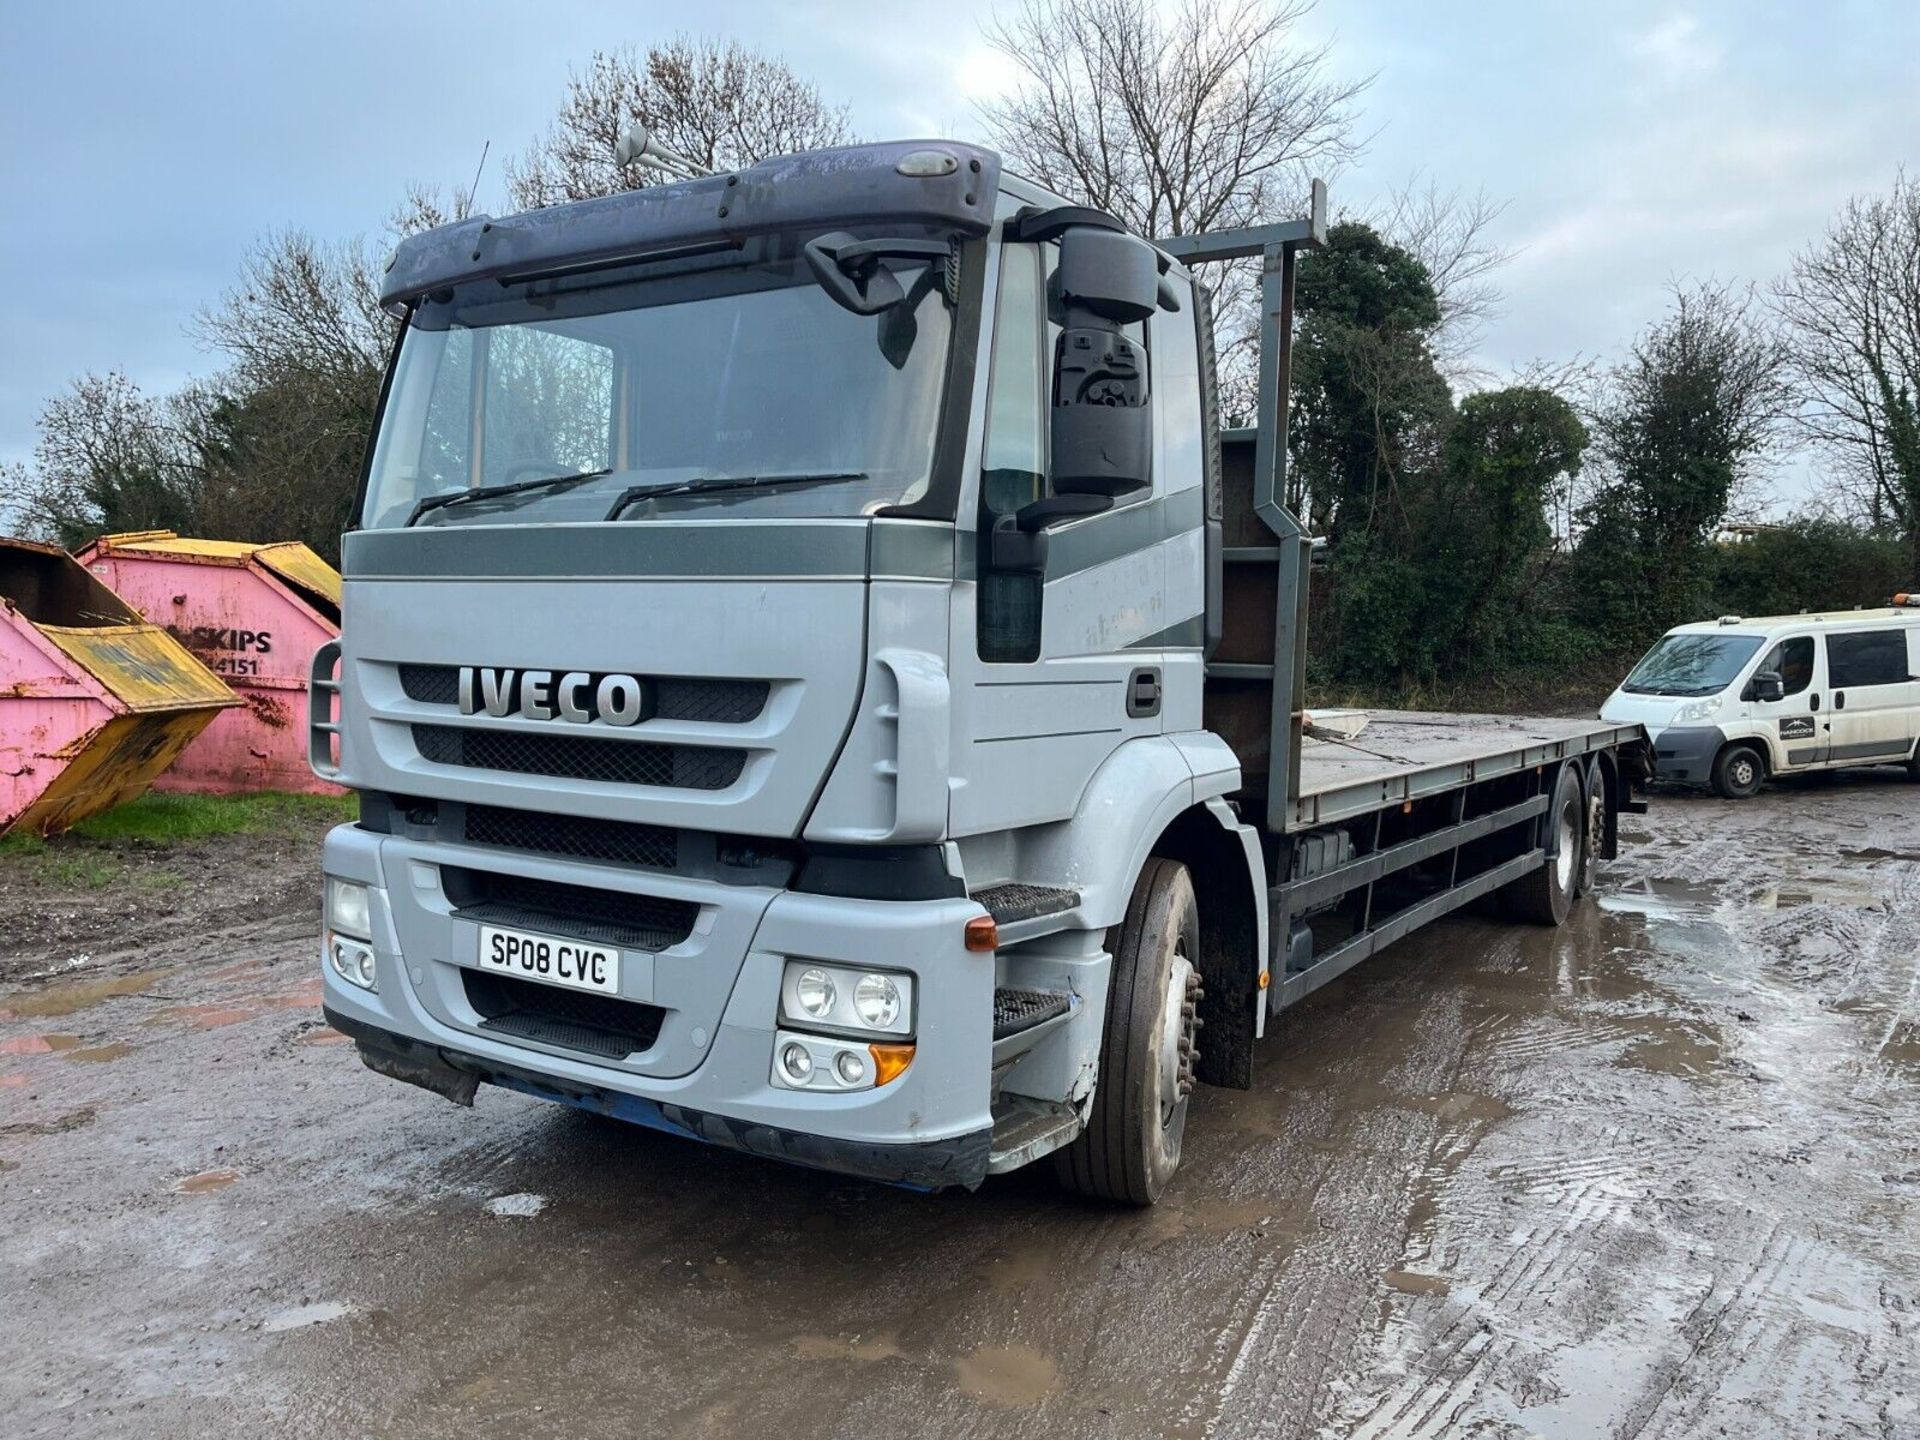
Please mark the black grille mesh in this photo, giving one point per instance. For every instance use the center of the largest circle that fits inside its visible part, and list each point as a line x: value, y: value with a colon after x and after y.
x: 610, y: 917
x: 653, y: 846
x: 712, y: 702
x: 578, y: 757
x: 571, y: 1019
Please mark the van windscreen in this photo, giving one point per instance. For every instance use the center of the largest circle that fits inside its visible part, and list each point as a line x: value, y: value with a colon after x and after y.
x: 1691, y: 664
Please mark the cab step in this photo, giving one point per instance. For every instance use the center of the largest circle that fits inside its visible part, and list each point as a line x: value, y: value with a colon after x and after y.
x: 1024, y: 912
x: 1016, y: 1010
x: 1024, y: 1129
x: 1011, y: 903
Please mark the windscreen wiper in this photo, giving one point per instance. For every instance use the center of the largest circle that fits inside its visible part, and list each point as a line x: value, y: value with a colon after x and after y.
x: 710, y: 484
x: 487, y: 492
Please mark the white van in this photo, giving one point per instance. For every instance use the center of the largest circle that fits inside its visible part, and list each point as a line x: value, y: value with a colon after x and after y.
x: 1731, y: 701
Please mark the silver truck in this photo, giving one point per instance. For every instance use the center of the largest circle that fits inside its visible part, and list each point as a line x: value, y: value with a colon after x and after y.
x: 820, y: 680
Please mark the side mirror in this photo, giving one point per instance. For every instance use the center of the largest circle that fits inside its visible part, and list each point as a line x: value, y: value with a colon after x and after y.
x: 1102, y: 430
x: 1020, y: 539
x: 1768, y: 685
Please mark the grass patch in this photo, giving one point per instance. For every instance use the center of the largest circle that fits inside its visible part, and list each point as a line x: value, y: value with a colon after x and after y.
x: 168, y: 818
x: 99, y: 851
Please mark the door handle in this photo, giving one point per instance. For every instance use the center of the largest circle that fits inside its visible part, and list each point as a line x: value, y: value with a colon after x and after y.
x: 1813, y: 702
x: 1839, y: 699
x: 1143, y: 693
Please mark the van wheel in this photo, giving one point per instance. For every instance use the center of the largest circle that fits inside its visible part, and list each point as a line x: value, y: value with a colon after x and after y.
x: 1545, y: 896
x: 1131, y: 1145
x: 1738, y: 771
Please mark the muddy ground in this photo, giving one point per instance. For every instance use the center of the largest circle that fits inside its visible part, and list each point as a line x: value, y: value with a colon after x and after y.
x: 1654, y: 1174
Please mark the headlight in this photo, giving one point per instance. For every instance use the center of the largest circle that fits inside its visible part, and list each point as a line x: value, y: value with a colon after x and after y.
x: 347, y: 908
x: 841, y: 998
x: 876, y: 1000
x: 1695, y: 711
x: 815, y: 992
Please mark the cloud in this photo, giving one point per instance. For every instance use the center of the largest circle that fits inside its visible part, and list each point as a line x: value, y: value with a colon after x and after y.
x: 1678, y: 47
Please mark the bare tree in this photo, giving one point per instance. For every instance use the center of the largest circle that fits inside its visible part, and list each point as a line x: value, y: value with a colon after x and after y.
x: 282, y: 429
x: 110, y: 458
x: 1208, y: 115
x: 1451, y: 233
x: 715, y: 102
x: 1850, y: 306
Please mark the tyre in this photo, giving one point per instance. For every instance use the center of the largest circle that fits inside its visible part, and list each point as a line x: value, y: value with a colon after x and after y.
x: 1545, y: 896
x: 1594, y: 837
x: 1131, y: 1145
x: 1738, y: 771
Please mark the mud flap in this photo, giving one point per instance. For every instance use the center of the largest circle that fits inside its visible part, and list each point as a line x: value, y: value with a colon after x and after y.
x: 400, y: 1059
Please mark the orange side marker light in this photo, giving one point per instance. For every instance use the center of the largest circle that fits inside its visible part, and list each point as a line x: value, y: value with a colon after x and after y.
x: 890, y: 1061
x: 983, y: 934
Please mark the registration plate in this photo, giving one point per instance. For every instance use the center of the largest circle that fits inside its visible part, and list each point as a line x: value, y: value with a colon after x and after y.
x: 550, y: 959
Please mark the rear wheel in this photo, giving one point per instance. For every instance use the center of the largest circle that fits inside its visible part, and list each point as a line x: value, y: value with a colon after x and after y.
x: 1594, y: 841
x: 1738, y: 771
x: 1545, y: 896
x: 1131, y: 1145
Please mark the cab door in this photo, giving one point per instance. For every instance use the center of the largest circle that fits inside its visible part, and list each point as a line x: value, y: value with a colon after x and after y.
x: 1794, y: 726
x: 1872, y: 684
x: 1054, y: 672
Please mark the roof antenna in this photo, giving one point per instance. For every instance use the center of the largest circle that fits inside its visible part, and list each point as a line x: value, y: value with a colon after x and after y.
x: 474, y: 189
x: 639, y: 147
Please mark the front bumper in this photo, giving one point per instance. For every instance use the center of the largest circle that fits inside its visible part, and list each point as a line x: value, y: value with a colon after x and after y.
x: 925, y: 1165
x: 1685, y: 753
x: 929, y: 1127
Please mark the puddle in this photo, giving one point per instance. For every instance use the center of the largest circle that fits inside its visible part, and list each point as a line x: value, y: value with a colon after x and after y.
x: 1007, y: 1375
x: 833, y: 1347
x: 208, y: 1017
x: 1901, y: 1047
x: 516, y: 1206
x: 1409, y: 1282
x: 318, y: 1312
x: 1786, y: 897
x: 1676, y: 901
x: 57, y: 1000
x: 72, y: 1120
x: 1026, y: 1269
x: 1672, y: 1049
x: 101, y: 1054
x: 205, y: 1181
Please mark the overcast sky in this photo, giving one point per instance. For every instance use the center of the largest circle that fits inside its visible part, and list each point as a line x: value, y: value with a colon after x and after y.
x: 144, y: 146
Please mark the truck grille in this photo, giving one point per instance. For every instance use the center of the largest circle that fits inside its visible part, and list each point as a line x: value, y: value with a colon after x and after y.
x: 653, y: 846
x: 596, y: 1024
x: 609, y: 917
x: 579, y: 757
x: 711, y: 702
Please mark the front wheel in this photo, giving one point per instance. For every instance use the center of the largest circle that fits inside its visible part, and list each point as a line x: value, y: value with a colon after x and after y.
x: 1131, y: 1145
x: 1737, y: 772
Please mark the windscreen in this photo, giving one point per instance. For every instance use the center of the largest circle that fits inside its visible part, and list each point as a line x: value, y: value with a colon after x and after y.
x: 729, y: 368
x: 1691, y: 664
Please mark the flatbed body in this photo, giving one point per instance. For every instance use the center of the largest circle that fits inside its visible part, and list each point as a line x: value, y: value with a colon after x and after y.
x: 1403, y: 755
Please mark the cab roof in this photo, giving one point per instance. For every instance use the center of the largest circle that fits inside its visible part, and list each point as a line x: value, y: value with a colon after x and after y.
x: 854, y: 185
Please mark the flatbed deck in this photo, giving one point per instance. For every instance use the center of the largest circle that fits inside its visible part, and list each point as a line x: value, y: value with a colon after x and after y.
x: 1402, y: 755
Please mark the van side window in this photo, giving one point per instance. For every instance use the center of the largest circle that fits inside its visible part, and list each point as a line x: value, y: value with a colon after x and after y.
x: 1792, y: 661
x: 1867, y: 657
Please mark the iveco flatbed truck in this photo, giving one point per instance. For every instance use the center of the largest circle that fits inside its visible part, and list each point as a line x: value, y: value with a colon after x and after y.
x: 819, y: 680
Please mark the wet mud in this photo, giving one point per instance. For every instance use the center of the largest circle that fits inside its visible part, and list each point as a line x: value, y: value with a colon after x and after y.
x: 1656, y: 1173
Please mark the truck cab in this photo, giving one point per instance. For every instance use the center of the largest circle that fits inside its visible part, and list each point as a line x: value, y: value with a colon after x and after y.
x: 1730, y: 702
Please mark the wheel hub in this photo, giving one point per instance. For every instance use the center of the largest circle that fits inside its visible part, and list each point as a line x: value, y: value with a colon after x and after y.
x: 1178, y: 1050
